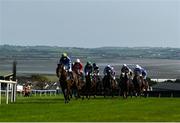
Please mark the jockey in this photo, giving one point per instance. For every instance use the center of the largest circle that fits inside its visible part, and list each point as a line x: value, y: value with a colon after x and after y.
x: 125, y: 69
x: 88, y: 68
x: 137, y: 70
x: 109, y: 70
x: 66, y: 61
x: 144, y: 73
x: 95, y: 69
x: 78, y: 67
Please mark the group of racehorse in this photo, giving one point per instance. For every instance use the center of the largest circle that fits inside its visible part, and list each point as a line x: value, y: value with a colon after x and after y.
x: 72, y: 82
x: 133, y: 85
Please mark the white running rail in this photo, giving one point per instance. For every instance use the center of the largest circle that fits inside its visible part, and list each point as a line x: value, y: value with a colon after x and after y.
x: 13, y: 90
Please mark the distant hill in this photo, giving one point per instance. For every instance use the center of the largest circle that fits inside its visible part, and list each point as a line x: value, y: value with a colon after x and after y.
x: 44, y: 52
x: 159, y: 62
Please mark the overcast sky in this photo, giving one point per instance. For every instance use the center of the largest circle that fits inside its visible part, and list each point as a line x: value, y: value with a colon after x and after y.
x: 90, y: 23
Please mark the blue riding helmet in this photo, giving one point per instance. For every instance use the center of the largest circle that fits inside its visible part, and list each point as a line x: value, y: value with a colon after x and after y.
x: 94, y: 64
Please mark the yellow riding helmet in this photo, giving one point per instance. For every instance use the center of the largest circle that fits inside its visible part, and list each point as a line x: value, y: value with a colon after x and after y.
x: 64, y: 55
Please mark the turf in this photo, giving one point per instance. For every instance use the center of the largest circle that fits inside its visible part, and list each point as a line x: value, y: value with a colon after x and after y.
x: 52, y: 108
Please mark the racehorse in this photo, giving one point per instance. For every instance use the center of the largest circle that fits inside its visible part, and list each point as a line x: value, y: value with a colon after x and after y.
x: 78, y: 83
x: 94, y: 85
x: 87, y: 87
x: 138, y: 85
x: 65, y: 84
x: 131, y: 85
x: 124, y: 84
x: 145, y: 85
x: 114, y: 86
x: 27, y: 90
x: 97, y: 85
x: 109, y: 85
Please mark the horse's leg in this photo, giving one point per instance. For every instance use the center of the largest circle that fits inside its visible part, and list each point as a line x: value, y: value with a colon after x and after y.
x: 70, y: 92
x: 141, y: 90
x: 104, y: 92
x: 95, y: 92
x: 111, y: 92
x: 123, y: 94
x: 136, y: 91
x: 146, y: 88
x: 63, y: 90
x: 127, y: 93
x: 75, y: 91
x: 131, y: 92
x: 78, y: 94
x: 66, y: 95
x: 83, y: 92
x: 79, y: 89
x: 89, y: 92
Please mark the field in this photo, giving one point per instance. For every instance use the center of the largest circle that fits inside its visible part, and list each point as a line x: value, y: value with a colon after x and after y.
x: 52, y: 108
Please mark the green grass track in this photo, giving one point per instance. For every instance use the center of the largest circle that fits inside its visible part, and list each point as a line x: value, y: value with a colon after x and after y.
x: 52, y: 108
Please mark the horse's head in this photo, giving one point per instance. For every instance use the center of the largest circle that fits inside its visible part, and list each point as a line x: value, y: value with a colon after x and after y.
x: 124, y: 75
x: 88, y: 74
x: 61, y: 70
x: 109, y: 72
x: 78, y: 72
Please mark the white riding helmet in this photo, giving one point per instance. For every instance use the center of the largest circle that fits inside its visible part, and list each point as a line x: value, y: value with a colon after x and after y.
x: 124, y: 65
x: 78, y: 60
x: 137, y: 66
x: 108, y: 65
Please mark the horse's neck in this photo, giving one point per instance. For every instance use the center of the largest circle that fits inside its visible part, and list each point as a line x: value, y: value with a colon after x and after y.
x: 62, y: 73
x: 137, y: 77
x: 109, y: 76
x: 126, y: 75
x: 141, y: 78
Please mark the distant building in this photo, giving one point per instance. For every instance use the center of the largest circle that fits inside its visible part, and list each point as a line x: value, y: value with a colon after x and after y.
x: 162, y: 80
x: 166, y: 86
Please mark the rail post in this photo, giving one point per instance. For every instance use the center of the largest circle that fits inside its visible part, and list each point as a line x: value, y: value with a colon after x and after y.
x: 0, y: 92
